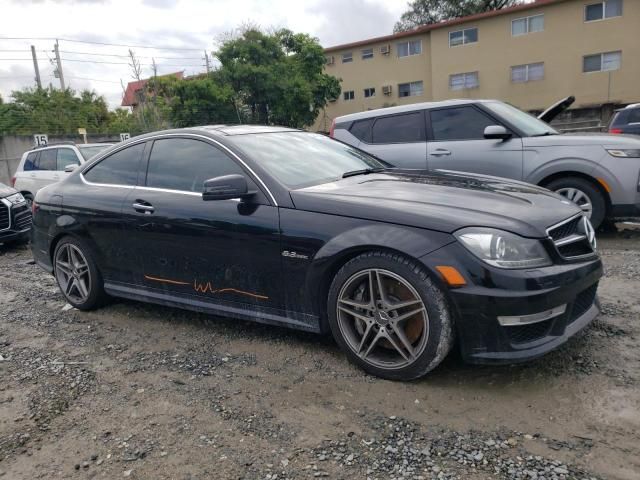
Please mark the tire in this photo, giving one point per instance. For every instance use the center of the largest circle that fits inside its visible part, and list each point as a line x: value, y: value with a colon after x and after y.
x: 580, y: 188
x: 428, y: 332
x: 88, y: 292
x: 29, y: 198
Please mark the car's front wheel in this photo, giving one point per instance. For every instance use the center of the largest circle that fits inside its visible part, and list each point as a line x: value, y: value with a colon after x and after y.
x: 77, y: 274
x: 389, y: 317
x: 584, y: 194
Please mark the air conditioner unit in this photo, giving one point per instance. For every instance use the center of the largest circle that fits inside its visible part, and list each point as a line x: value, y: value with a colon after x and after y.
x: 385, y: 49
x: 331, y: 60
x: 386, y: 90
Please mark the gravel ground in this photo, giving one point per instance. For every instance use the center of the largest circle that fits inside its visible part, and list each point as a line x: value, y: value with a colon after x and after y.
x: 140, y: 391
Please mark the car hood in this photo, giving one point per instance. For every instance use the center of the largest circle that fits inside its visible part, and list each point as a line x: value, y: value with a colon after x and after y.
x: 556, y: 109
x: 439, y: 201
x: 5, y: 190
x: 583, y: 139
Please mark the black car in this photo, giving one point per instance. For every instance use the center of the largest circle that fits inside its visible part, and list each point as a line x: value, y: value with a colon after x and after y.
x: 292, y: 228
x: 626, y: 120
x: 15, y: 216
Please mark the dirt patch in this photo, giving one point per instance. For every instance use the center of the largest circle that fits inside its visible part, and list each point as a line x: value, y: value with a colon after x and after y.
x: 140, y: 391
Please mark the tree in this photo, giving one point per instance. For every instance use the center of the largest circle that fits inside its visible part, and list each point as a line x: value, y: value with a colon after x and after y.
x: 277, y: 76
x: 422, y: 12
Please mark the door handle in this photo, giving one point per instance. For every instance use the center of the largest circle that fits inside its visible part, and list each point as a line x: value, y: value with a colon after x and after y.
x: 142, y: 208
x: 33, y: 175
x: 440, y: 152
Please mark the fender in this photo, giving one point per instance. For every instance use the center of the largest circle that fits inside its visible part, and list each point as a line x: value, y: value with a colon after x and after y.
x: 409, y: 241
x: 584, y: 166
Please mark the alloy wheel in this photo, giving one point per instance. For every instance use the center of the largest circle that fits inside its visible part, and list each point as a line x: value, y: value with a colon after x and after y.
x: 72, y: 273
x: 578, y: 197
x: 382, y: 319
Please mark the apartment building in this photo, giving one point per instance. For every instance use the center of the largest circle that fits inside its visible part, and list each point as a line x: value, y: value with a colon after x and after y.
x: 530, y: 55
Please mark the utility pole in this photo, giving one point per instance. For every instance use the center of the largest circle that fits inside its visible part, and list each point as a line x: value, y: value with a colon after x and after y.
x: 59, y: 64
x: 206, y: 60
x: 35, y: 66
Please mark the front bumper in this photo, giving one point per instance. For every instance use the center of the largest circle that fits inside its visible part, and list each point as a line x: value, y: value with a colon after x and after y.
x: 491, y: 293
x: 15, y: 222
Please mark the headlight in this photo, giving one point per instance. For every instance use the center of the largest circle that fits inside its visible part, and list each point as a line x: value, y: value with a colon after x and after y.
x: 15, y: 199
x: 624, y: 153
x: 503, y: 249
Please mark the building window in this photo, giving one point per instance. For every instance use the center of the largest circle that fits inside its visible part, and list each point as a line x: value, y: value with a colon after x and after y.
x: 522, y: 26
x: 527, y: 73
x: 367, y: 53
x: 412, y: 89
x: 369, y: 92
x: 413, y: 47
x: 349, y: 95
x: 462, y: 37
x: 602, y: 10
x: 347, y: 57
x: 602, y: 62
x: 462, y: 81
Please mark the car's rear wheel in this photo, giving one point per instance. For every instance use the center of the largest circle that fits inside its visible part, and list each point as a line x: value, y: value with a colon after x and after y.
x: 77, y: 274
x: 583, y: 193
x: 389, y: 316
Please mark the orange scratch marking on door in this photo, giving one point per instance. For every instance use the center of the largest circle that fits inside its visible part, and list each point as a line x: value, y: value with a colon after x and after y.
x: 206, y: 287
x: 165, y: 280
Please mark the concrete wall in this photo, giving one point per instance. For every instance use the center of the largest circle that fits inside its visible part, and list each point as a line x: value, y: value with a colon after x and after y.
x: 13, y: 146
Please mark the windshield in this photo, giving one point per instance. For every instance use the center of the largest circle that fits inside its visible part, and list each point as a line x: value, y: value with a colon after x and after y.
x: 90, y: 151
x: 529, y: 125
x: 300, y: 159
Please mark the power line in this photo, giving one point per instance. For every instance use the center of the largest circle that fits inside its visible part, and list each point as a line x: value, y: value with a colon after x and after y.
x: 14, y: 59
x: 92, y: 79
x: 126, y: 63
x: 126, y: 56
x: 88, y: 42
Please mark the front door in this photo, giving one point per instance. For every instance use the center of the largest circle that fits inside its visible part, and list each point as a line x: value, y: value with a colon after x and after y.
x: 457, y: 143
x: 225, y: 252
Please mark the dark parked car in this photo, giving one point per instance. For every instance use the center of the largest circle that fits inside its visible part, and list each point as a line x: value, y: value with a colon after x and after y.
x: 626, y: 120
x: 15, y: 216
x: 292, y: 228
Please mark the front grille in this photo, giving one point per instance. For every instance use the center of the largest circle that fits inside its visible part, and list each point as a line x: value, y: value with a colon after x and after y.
x: 571, y: 237
x: 4, y: 216
x: 529, y: 333
x: 583, y: 302
x: 22, y: 219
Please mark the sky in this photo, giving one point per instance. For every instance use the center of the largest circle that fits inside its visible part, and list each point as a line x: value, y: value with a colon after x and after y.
x: 168, y: 25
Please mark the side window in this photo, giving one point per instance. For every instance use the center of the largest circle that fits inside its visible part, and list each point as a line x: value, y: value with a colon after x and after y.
x: 460, y: 123
x: 47, y: 160
x: 634, y: 116
x: 120, y: 168
x: 66, y: 156
x: 185, y: 164
x: 405, y: 128
x: 31, y: 162
x: 362, y: 130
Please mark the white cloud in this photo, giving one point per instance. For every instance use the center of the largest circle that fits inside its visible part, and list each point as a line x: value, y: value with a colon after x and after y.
x: 167, y: 23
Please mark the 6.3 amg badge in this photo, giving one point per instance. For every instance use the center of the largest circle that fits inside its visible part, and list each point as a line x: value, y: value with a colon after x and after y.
x: 289, y: 254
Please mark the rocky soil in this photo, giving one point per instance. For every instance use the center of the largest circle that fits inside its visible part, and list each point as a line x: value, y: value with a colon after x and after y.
x: 140, y: 391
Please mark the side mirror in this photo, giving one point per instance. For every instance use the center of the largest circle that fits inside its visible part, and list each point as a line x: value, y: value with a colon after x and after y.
x: 496, y: 132
x: 226, y: 187
x: 70, y: 168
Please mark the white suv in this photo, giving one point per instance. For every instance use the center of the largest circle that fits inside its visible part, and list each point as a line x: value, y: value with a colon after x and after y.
x: 46, y: 165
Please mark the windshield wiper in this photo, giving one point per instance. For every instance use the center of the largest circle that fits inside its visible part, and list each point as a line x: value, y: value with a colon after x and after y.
x: 364, y: 171
x: 545, y: 134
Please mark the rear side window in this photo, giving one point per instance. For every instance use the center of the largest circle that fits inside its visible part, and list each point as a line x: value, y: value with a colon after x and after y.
x: 634, y: 116
x: 31, y: 162
x: 405, y: 128
x: 185, y: 164
x: 47, y: 160
x: 120, y: 168
x: 66, y: 156
x: 362, y: 130
x: 460, y: 123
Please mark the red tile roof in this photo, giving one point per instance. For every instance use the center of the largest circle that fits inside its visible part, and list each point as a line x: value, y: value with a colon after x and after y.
x: 129, y: 99
x: 447, y: 23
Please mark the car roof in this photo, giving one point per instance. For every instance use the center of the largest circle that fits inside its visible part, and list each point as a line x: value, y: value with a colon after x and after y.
x: 406, y: 108
x: 229, y: 130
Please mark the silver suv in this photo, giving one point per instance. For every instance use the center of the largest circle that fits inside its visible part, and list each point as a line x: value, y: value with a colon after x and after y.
x: 46, y: 165
x: 599, y: 172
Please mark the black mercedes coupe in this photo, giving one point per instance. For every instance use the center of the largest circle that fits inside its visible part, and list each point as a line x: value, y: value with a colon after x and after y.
x: 292, y: 228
